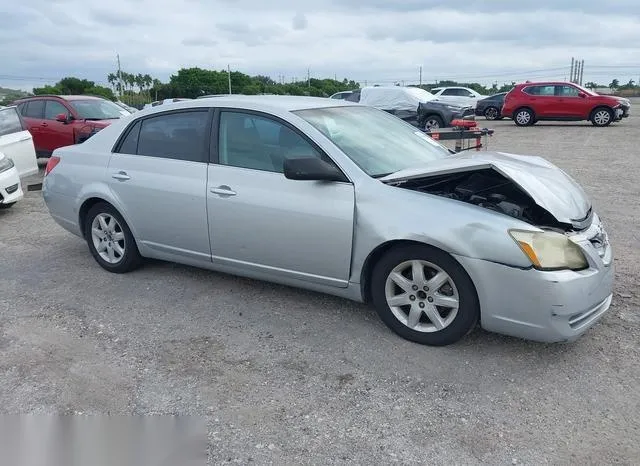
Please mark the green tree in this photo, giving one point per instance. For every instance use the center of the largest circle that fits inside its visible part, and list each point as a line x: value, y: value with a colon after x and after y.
x: 615, y: 84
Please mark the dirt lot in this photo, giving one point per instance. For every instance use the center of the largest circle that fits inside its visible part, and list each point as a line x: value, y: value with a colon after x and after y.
x: 293, y: 377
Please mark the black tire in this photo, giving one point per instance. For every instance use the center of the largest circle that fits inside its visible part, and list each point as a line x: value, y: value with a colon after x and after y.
x: 433, y: 122
x: 468, y: 312
x: 6, y: 206
x: 131, y: 259
x: 598, y: 116
x: 492, y: 113
x: 524, y: 117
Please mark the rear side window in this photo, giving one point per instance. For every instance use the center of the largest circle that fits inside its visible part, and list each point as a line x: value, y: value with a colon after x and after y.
x: 34, y: 109
x: 179, y: 135
x: 9, y: 121
x: 130, y: 142
x: 540, y: 90
x: 450, y: 92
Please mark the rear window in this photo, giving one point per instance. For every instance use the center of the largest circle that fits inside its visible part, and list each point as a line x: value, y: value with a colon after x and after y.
x: 10, y: 121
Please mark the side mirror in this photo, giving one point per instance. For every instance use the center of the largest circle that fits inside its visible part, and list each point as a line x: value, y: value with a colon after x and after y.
x: 62, y: 117
x: 311, y: 168
x: 582, y: 94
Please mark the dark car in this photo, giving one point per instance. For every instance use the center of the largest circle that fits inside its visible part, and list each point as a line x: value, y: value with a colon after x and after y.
x: 412, y: 104
x: 62, y: 120
x: 490, y: 107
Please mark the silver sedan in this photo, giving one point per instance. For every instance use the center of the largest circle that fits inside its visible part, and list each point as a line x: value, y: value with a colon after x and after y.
x: 344, y: 199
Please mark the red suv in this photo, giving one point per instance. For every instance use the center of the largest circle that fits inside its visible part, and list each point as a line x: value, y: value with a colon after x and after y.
x: 528, y: 103
x: 62, y: 120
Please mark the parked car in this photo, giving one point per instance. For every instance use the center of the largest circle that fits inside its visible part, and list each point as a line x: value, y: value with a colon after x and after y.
x: 341, y: 95
x: 490, y: 107
x: 458, y: 95
x: 17, y: 156
x: 344, y: 199
x: 528, y: 103
x: 61, y: 120
x: 412, y: 104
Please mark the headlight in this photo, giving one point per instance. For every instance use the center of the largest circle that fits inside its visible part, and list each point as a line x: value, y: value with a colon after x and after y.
x: 6, y: 164
x: 548, y: 250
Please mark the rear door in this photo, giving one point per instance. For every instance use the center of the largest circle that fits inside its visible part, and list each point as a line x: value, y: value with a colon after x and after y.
x: 33, y: 115
x: 55, y: 133
x: 541, y: 99
x: 16, y: 142
x: 158, y: 172
x: 264, y: 223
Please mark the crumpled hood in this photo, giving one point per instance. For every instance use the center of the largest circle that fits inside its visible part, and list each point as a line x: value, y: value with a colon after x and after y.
x: 549, y: 186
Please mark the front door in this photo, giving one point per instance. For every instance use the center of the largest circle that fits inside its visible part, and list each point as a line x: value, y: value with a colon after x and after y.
x: 55, y: 134
x: 261, y: 221
x: 159, y: 175
x: 569, y: 104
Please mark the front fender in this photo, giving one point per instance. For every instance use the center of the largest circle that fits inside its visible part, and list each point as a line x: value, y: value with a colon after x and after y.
x: 386, y: 213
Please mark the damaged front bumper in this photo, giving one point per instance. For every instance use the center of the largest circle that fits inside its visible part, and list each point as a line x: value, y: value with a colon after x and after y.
x: 557, y: 306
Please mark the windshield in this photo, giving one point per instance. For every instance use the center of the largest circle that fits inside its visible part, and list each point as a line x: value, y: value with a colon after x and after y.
x: 97, y: 109
x: 378, y: 142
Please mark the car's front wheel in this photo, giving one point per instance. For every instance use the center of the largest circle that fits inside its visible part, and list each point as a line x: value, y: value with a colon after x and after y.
x: 602, y: 116
x: 424, y: 295
x: 433, y: 122
x: 110, y: 240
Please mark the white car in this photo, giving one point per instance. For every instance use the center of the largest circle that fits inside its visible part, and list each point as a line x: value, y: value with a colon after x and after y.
x: 17, y: 156
x: 462, y: 96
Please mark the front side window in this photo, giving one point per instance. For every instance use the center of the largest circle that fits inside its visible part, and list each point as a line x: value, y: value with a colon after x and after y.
x: 449, y: 92
x: 97, y: 109
x: 9, y: 121
x: 52, y: 109
x: 567, y: 91
x: 379, y: 143
x: 179, y: 135
x: 252, y: 141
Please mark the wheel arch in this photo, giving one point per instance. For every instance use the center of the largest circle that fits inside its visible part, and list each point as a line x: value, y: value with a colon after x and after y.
x: 379, y: 251
x: 598, y: 107
x: 92, y: 200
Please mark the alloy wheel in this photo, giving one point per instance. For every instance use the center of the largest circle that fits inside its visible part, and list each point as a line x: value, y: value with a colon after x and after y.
x: 602, y: 117
x: 422, y: 296
x: 108, y: 238
x: 491, y: 113
x: 523, y: 117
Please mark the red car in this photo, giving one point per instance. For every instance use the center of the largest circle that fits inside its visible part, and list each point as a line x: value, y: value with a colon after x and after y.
x: 529, y: 102
x: 62, y: 120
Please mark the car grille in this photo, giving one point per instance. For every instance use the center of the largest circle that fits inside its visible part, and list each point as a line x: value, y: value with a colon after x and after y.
x: 12, y: 189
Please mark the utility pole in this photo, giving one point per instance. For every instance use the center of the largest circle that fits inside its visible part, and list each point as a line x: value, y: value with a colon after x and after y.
x: 421, y: 75
x: 581, y: 71
x: 308, y: 78
x: 229, y: 74
x: 119, y: 77
x: 571, y: 72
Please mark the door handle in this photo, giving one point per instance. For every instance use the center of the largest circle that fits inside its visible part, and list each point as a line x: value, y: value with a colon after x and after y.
x: 223, y: 191
x: 44, y: 123
x: 121, y: 176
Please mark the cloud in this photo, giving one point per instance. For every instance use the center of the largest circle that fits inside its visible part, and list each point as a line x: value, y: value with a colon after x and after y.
x: 376, y: 41
x: 299, y: 22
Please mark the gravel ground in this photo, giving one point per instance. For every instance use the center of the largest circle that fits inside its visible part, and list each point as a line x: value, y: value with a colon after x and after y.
x: 285, y: 376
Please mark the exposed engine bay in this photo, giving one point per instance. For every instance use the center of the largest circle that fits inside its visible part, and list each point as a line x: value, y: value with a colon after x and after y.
x: 489, y: 189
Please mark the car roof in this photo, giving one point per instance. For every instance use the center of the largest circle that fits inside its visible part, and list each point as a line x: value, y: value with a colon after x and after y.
x: 275, y: 102
x: 64, y: 97
x: 545, y: 83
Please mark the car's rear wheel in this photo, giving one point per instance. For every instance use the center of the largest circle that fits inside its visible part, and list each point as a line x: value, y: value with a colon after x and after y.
x: 602, y: 116
x: 110, y: 240
x: 492, y: 113
x: 433, y: 122
x: 524, y: 117
x: 424, y: 295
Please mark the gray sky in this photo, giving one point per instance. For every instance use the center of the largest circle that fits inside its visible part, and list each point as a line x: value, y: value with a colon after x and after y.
x: 378, y: 41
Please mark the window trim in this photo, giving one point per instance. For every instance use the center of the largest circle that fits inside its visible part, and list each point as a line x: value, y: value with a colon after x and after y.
x: 215, y: 156
x: 204, y: 156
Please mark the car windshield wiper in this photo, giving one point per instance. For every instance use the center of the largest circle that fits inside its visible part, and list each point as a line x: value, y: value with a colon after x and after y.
x: 381, y: 175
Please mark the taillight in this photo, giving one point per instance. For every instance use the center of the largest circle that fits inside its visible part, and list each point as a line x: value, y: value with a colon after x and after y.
x: 51, y: 164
